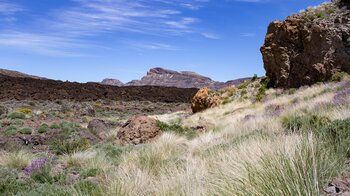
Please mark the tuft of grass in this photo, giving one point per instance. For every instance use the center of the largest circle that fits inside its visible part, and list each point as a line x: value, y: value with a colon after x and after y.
x: 16, y: 160
x: 69, y: 146
x: 177, y: 128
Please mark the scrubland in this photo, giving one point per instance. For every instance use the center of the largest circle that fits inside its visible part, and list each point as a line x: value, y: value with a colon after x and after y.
x: 287, y: 142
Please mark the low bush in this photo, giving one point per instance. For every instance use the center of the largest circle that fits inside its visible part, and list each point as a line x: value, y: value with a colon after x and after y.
x: 338, y: 76
x: 87, y: 188
x: 304, y: 123
x: 26, y: 131
x: 16, y: 115
x: 43, y: 128
x: 262, y: 90
x: 11, y: 130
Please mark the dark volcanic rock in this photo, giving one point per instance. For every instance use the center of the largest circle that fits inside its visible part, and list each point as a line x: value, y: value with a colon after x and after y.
x: 29, y: 88
x: 113, y: 82
x: 163, y: 77
x: 308, y: 47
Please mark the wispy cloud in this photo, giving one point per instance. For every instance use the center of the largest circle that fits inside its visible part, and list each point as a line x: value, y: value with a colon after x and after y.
x: 211, y: 36
x: 9, y: 8
x: 248, y: 34
x: 42, y: 44
x: 151, y: 16
x: 152, y: 46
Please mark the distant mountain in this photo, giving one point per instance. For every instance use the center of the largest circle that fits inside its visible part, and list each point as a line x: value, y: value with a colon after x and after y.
x: 17, y: 74
x: 169, y: 78
x: 112, y: 82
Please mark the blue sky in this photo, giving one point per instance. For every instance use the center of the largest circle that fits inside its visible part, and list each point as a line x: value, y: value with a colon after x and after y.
x: 88, y: 40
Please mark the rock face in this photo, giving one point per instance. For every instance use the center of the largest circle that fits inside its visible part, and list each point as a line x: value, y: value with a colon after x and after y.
x: 138, y: 130
x: 204, y: 99
x: 113, y: 82
x: 169, y: 78
x: 308, y: 47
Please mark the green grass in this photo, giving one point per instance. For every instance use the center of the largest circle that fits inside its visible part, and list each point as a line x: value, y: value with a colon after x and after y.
x: 26, y: 131
x: 11, y: 130
x: 69, y: 146
x: 43, y: 128
x: 177, y: 128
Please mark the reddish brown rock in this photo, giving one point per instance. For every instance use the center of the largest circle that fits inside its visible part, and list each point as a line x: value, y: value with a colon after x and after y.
x: 204, y: 99
x: 138, y: 130
x: 308, y: 47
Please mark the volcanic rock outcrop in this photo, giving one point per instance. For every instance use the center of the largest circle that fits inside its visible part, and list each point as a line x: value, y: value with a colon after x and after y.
x: 204, y: 99
x: 169, y: 78
x: 138, y: 130
x: 308, y: 47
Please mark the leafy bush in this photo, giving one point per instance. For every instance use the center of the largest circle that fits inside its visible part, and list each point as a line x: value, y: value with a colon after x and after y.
x: 26, y: 131
x: 69, y: 146
x: 11, y: 130
x: 254, y: 78
x: 16, y: 115
x: 176, y: 128
x: 338, y: 76
x: 304, y: 123
x: 18, y: 122
x: 43, y: 128
x: 24, y: 110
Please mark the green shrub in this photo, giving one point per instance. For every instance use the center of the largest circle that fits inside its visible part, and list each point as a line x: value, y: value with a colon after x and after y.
x: 26, y: 131
x: 177, y: 128
x: 254, y: 78
x: 11, y: 130
x: 43, y: 128
x: 338, y: 76
x: 55, y: 126
x: 307, y: 122
x: 69, y: 146
x: 16, y: 115
x: 18, y: 122
x: 262, y: 90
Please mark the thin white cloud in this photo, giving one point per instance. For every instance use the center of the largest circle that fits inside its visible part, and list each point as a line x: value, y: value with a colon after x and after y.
x: 248, y: 34
x: 42, y: 44
x: 9, y: 8
x: 211, y: 36
x: 152, y: 17
x: 152, y: 46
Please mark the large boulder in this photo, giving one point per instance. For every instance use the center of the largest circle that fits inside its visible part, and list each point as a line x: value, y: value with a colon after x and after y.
x: 138, y: 130
x: 204, y: 99
x: 308, y: 47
